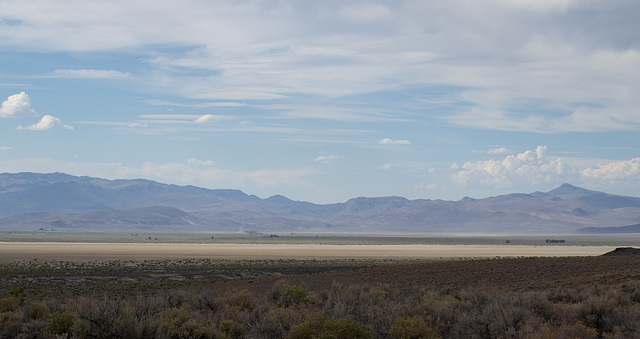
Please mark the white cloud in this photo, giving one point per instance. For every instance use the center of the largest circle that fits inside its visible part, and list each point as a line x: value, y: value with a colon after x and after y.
x: 366, y: 12
x: 532, y: 166
x: 385, y: 166
x: 615, y: 171
x: 533, y: 169
x: 333, y: 113
x: 423, y: 186
x: 387, y: 141
x: 537, y: 4
x: 327, y: 158
x: 5, y: 148
x: 185, y: 118
x: 194, y: 161
x: 113, y: 123
x: 501, y: 150
x: 563, y: 65
x: 17, y: 105
x: 206, y: 119
x: 559, y: 95
x: 156, y: 102
x: 90, y: 74
x: 171, y: 116
x: 47, y: 122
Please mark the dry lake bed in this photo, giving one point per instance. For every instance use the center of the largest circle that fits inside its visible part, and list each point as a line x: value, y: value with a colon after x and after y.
x: 12, y: 251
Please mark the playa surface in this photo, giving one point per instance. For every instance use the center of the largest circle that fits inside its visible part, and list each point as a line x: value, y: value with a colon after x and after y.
x: 49, y: 251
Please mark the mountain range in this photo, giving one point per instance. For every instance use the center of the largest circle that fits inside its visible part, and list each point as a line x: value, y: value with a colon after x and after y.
x: 32, y: 201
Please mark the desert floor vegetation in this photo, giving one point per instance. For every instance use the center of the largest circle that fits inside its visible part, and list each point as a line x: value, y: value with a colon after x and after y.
x: 538, y: 297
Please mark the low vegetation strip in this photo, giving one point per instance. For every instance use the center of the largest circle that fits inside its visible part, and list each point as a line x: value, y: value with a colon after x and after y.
x: 536, y: 297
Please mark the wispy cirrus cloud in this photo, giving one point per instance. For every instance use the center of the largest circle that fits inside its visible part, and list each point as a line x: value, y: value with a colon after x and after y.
x: 113, y: 123
x: 327, y: 158
x: 209, y: 104
x: 387, y: 141
x: 580, y: 79
x: 90, y: 74
x: 500, y: 150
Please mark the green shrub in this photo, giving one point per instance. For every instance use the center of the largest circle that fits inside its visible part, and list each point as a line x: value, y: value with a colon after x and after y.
x: 38, y: 310
x: 9, y: 304
x: 60, y: 323
x: 178, y: 323
x: 323, y: 328
x: 412, y: 328
x: 17, y: 292
x: 240, y: 300
x: 11, y: 322
x: 231, y: 329
x: 290, y: 296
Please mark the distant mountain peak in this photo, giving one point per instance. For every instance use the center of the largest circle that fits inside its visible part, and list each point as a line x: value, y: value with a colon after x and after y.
x: 568, y: 189
x: 567, y: 186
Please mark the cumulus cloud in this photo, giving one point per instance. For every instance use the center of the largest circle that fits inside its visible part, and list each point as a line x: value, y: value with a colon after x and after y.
x: 387, y: 141
x: 531, y: 166
x: 47, y: 122
x: 615, y: 171
x: 17, y: 105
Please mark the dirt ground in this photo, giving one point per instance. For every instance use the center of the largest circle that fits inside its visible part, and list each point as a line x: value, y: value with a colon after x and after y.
x: 79, y: 269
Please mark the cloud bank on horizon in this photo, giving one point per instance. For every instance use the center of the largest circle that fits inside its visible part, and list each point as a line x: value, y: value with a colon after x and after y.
x: 323, y: 101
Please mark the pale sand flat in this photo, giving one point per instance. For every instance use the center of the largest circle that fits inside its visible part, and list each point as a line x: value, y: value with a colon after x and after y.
x: 47, y: 251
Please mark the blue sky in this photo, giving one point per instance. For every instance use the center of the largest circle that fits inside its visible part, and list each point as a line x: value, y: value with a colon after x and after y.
x: 324, y: 101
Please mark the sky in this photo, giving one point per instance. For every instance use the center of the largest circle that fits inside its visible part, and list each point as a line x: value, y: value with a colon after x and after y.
x: 323, y: 101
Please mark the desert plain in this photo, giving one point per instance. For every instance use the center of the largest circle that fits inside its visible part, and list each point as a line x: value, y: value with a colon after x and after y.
x: 11, y: 251
x: 259, y: 286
